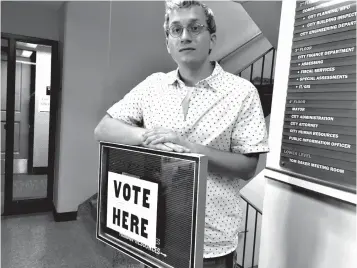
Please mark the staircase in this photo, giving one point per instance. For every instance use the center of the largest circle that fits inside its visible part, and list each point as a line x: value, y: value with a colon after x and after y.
x: 261, y: 72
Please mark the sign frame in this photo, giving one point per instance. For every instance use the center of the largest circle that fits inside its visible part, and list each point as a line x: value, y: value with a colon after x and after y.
x: 274, y: 169
x: 198, y: 210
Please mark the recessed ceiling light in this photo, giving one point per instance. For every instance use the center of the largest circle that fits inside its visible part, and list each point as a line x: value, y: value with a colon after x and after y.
x: 26, y: 53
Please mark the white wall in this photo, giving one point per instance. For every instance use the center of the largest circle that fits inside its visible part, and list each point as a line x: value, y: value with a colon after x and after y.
x: 234, y: 27
x: 62, y: 18
x: 269, y: 25
x: 23, y: 18
x: 305, y: 229
x: 85, y: 54
x: 41, y: 118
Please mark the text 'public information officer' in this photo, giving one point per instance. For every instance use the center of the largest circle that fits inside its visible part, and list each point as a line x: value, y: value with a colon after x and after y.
x: 202, y: 109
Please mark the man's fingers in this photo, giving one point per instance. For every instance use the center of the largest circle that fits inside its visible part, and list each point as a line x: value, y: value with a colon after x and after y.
x: 168, y: 146
x: 158, y: 140
x: 177, y: 148
x: 174, y: 147
x: 149, y: 139
x: 163, y: 147
x: 160, y: 146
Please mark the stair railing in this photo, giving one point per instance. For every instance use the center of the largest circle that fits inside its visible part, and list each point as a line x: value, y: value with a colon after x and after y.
x: 250, y: 66
x: 257, y: 213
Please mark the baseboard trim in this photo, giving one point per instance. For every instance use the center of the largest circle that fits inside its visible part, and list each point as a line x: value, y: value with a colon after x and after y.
x: 64, y: 216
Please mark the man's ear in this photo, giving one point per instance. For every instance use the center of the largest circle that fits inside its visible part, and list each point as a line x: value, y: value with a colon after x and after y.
x: 167, y: 45
x: 213, y: 41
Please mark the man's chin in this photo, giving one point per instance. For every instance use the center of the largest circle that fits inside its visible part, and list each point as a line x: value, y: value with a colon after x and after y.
x: 189, y: 61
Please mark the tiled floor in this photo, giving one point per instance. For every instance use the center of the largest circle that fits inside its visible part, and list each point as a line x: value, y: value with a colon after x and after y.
x: 37, y: 241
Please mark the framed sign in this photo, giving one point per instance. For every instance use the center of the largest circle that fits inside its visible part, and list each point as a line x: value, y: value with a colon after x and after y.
x: 319, y: 136
x: 313, y: 119
x: 151, y: 204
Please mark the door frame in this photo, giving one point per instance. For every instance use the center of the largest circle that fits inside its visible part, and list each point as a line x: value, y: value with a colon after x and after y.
x: 12, y: 207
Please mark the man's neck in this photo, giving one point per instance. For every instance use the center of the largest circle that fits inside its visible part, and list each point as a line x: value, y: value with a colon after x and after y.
x: 191, y: 75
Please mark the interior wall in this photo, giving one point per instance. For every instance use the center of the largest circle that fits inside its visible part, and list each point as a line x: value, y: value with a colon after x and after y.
x: 41, y: 117
x: 301, y: 228
x: 85, y: 57
x: 234, y: 27
x: 23, y: 18
x: 269, y: 25
x: 62, y: 18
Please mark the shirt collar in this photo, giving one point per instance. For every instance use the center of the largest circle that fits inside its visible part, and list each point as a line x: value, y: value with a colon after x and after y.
x: 173, y: 77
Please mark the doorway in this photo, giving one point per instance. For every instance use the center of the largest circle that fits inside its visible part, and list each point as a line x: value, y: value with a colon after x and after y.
x: 29, y: 88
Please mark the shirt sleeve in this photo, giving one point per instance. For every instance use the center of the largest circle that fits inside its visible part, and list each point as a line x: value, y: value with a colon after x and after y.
x: 249, y: 133
x: 130, y: 108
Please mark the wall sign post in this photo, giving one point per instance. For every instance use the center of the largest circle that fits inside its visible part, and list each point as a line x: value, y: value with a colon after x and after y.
x: 151, y: 204
x: 319, y: 135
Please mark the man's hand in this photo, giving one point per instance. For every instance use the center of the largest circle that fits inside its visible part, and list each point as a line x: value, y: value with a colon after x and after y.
x: 166, y: 137
x: 167, y: 146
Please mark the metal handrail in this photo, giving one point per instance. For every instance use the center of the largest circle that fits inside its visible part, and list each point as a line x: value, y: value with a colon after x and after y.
x: 254, y: 61
x: 257, y: 211
x: 238, y: 48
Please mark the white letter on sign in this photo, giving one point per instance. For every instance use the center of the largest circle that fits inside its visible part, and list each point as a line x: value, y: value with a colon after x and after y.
x: 132, y: 207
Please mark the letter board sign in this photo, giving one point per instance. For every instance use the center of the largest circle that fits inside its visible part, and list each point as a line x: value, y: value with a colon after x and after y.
x: 319, y: 135
x: 151, y: 204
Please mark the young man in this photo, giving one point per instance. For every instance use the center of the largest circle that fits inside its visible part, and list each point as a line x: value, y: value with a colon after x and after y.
x: 197, y: 108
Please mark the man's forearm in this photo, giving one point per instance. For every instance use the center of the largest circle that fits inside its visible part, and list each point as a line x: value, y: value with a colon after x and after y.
x: 116, y: 131
x: 227, y: 163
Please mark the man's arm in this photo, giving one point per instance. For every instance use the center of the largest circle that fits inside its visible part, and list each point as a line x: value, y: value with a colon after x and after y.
x: 227, y: 163
x: 117, y: 131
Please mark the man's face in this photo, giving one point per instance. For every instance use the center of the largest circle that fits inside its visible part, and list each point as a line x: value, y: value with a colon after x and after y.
x: 190, y: 48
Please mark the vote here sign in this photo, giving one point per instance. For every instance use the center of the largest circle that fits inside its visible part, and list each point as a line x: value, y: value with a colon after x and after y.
x: 132, y: 208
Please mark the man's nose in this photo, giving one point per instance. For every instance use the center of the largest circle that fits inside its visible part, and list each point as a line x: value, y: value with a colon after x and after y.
x: 186, y: 35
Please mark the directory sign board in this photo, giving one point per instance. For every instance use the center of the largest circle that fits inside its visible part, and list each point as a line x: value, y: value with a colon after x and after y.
x: 151, y: 204
x: 319, y: 133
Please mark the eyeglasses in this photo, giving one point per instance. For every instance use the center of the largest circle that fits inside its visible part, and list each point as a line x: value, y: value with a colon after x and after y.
x: 176, y: 30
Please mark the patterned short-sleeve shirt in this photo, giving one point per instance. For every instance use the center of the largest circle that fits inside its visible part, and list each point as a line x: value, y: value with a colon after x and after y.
x: 224, y: 113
